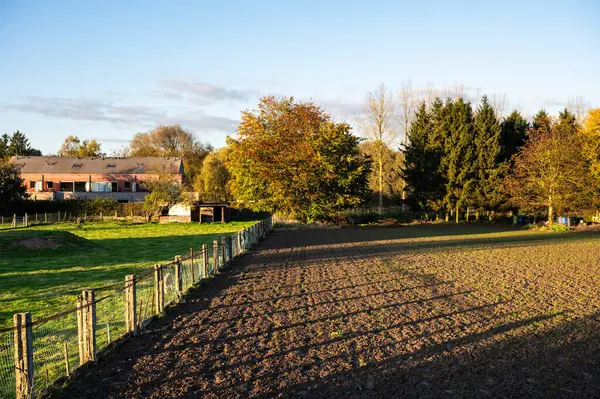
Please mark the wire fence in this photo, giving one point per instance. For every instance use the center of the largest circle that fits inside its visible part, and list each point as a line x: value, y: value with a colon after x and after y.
x: 15, y: 221
x: 35, y: 354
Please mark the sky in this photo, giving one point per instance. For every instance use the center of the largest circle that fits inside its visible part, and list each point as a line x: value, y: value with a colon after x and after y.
x: 109, y: 69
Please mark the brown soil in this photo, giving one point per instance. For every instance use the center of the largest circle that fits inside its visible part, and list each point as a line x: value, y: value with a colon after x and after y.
x: 36, y: 243
x: 422, y: 311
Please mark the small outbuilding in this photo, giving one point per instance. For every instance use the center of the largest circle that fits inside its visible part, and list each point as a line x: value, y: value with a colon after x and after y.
x: 201, y: 212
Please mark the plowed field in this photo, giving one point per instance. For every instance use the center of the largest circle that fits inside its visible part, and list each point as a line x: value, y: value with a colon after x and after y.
x: 422, y: 311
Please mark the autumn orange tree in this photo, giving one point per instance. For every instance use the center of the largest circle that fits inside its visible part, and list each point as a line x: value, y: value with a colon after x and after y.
x: 550, y: 173
x: 290, y: 157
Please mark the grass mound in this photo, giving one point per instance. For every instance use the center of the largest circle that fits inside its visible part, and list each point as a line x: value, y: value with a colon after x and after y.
x: 28, y: 240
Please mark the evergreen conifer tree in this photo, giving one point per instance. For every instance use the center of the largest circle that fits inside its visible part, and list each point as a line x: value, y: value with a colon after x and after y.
x: 513, y: 135
x: 488, y: 170
x: 460, y: 157
x: 542, y: 121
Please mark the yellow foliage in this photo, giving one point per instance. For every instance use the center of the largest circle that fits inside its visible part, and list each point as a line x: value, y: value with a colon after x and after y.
x: 591, y: 140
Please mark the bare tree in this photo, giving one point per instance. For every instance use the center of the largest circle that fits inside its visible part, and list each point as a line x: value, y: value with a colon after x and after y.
x: 428, y: 94
x: 578, y: 107
x: 377, y: 125
x: 456, y: 92
x: 407, y: 101
x: 500, y: 104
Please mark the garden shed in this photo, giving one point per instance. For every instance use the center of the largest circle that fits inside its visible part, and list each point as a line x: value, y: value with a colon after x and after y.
x: 201, y: 212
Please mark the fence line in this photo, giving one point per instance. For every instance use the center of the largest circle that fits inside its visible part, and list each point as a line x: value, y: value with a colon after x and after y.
x: 14, y: 221
x: 35, y: 353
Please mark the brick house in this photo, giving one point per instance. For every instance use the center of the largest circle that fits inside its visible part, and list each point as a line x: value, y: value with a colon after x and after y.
x: 54, y: 178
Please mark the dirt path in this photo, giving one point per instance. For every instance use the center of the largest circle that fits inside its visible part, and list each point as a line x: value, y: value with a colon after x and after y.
x: 345, y: 313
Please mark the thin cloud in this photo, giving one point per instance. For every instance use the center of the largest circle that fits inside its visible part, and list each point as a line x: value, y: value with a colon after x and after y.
x: 202, y: 92
x: 87, y: 110
x: 341, y: 109
x: 552, y: 102
x: 129, y: 116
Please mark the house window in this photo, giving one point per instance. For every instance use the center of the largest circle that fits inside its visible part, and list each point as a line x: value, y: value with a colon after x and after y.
x: 111, y: 165
x: 80, y: 186
x: 76, y: 165
x: 50, y: 185
x: 114, y: 186
x: 127, y: 186
x: 66, y: 186
x: 31, y: 184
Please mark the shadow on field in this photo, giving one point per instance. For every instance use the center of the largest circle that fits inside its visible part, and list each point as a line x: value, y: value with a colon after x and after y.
x: 564, y: 362
x: 377, y: 242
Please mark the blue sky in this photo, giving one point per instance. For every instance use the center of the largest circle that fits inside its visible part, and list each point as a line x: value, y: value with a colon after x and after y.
x: 110, y: 69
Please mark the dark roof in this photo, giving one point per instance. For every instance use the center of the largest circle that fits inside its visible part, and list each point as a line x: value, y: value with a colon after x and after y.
x: 104, y: 165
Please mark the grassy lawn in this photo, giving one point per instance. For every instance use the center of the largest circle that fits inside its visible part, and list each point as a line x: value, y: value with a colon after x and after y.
x: 47, y: 280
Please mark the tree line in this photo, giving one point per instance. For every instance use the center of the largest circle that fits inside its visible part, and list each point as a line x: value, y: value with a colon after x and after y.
x: 459, y: 159
x: 441, y: 156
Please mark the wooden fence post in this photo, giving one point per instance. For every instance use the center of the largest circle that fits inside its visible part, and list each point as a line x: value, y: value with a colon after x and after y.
x: 14, y: 221
x: 192, y: 272
x: 86, y: 326
x: 178, y: 275
x: 204, y: 261
x: 230, y: 248
x: 216, y: 256
x: 45, y: 217
x: 80, y: 338
x: 236, y: 248
x: 89, y: 325
x: 66, y: 353
x: 36, y: 218
x: 224, y: 250
x: 159, y: 290
x: 58, y: 216
x: 130, y: 304
x: 23, y: 355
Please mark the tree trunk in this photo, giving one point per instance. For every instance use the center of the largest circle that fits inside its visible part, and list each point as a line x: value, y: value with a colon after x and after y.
x: 456, y: 213
x: 446, y: 216
x: 477, y: 215
x: 550, y: 214
x: 468, y: 213
x: 380, y: 208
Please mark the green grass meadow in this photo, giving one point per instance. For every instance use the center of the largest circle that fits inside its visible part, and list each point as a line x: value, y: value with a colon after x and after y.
x: 96, y: 254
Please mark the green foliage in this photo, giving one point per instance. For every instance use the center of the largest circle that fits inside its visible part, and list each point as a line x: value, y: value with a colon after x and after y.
x: 423, y: 157
x: 550, y: 174
x: 488, y: 170
x: 17, y: 144
x: 558, y: 227
x: 291, y: 158
x: 213, y: 182
x: 171, y: 141
x: 165, y: 191
x: 393, y: 184
x: 73, y: 147
x: 542, y: 121
x: 513, y: 135
x: 567, y: 123
x: 12, y: 189
x: 460, y: 155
